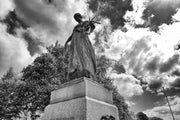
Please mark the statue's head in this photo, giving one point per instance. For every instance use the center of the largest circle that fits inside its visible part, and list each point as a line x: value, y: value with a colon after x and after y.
x: 78, y: 17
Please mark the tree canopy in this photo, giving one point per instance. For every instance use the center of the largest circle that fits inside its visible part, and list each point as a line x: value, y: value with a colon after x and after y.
x: 142, y: 116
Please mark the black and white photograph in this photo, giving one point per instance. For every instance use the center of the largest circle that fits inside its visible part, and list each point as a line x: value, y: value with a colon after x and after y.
x: 89, y: 59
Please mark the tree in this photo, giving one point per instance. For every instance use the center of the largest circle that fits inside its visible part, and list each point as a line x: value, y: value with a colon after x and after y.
x: 102, y: 65
x: 40, y: 79
x: 142, y: 116
x: 44, y: 75
x: 9, y: 75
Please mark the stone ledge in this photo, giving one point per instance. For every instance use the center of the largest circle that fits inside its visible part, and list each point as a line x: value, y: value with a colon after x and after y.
x: 81, y: 87
x: 84, y: 108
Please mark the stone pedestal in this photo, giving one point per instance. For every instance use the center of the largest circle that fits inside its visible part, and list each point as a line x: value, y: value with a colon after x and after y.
x: 80, y: 99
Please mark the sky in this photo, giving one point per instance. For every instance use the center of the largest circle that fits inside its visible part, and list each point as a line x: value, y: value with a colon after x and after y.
x: 141, y: 38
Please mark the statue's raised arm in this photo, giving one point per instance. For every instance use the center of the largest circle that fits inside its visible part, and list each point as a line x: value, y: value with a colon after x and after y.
x: 82, y: 62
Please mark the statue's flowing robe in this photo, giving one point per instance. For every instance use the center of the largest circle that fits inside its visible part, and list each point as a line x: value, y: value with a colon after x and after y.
x: 81, y: 52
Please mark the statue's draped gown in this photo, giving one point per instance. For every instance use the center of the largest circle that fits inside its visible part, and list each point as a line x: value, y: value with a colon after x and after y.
x: 81, y: 52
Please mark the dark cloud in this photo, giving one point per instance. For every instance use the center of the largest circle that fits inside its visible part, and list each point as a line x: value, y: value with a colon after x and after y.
x: 133, y: 56
x: 112, y: 9
x: 169, y: 64
x: 155, y: 84
x: 158, y: 12
x: 119, y: 68
x: 13, y: 23
x: 101, y: 37
x: 176, y: 112
x: 176, y: 83
x: 177, y: 47
x: 33, y: 44
x: 13, y: 51
x: 35, y: 13
x: 152, y: 66
x: 51, y: 20
x: 176, y: 73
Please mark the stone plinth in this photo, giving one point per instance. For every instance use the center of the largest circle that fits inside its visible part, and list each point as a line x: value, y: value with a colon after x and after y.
x: 80, y: 99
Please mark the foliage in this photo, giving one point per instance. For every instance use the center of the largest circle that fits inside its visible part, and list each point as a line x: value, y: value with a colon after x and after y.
x: 142, y: 116
x: 9, y: 101
x: 102, y: 65
x: 9, y: 75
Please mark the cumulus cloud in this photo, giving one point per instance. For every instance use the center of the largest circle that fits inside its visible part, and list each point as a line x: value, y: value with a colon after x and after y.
x: 33, y: 25
x: 119, y: 68
x: 168, y: 65
x: 13, y: 23
x: 176, y: 17
x: 145, y: 53
x: 176, y: 83
x: 50, y: 20
x: 127, y: 85
x: 5, y: 7
x: 160, y: 11
x: 135, y: 17
x: 163, y: 110
x: 13, y: 52
x: 106, y: 8
x: 176, y: 72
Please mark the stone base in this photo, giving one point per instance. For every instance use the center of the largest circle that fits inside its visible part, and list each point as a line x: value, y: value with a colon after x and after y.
x: 81, y: 99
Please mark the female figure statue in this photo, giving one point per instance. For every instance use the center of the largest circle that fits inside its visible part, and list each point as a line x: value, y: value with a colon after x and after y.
x: 82, y: 61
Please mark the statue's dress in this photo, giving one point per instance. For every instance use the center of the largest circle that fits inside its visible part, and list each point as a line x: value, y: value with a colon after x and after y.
x: 81, y: 53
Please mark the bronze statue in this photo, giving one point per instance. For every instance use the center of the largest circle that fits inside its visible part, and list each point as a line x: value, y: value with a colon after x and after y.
x: 82, y: 62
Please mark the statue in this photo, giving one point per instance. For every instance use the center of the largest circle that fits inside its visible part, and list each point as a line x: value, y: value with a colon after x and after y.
x: 82, y: 62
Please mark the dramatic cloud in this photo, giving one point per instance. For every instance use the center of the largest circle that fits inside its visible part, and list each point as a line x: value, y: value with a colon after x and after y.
x: 164, y: 112
x: 13, y: 52
x: 135, y: 16
x: 119, y: 68
x: 5, y: 7
x: 33, y: 25
x: 34, y: 45
x: 176, y: 72
x: 176, y: 83
x: 168, y: 65
x: 156, y: 84
x: 145, y: 53
x: 35, y: 12
x: 158, y: 12
x: 17, y: 27
x: 13, y: 23
x: 153, y: 13
x: 127, y: 85
x: 113, y: 10
x: 50, y: 20
x: 152, y: 65
x: 176, y: 17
